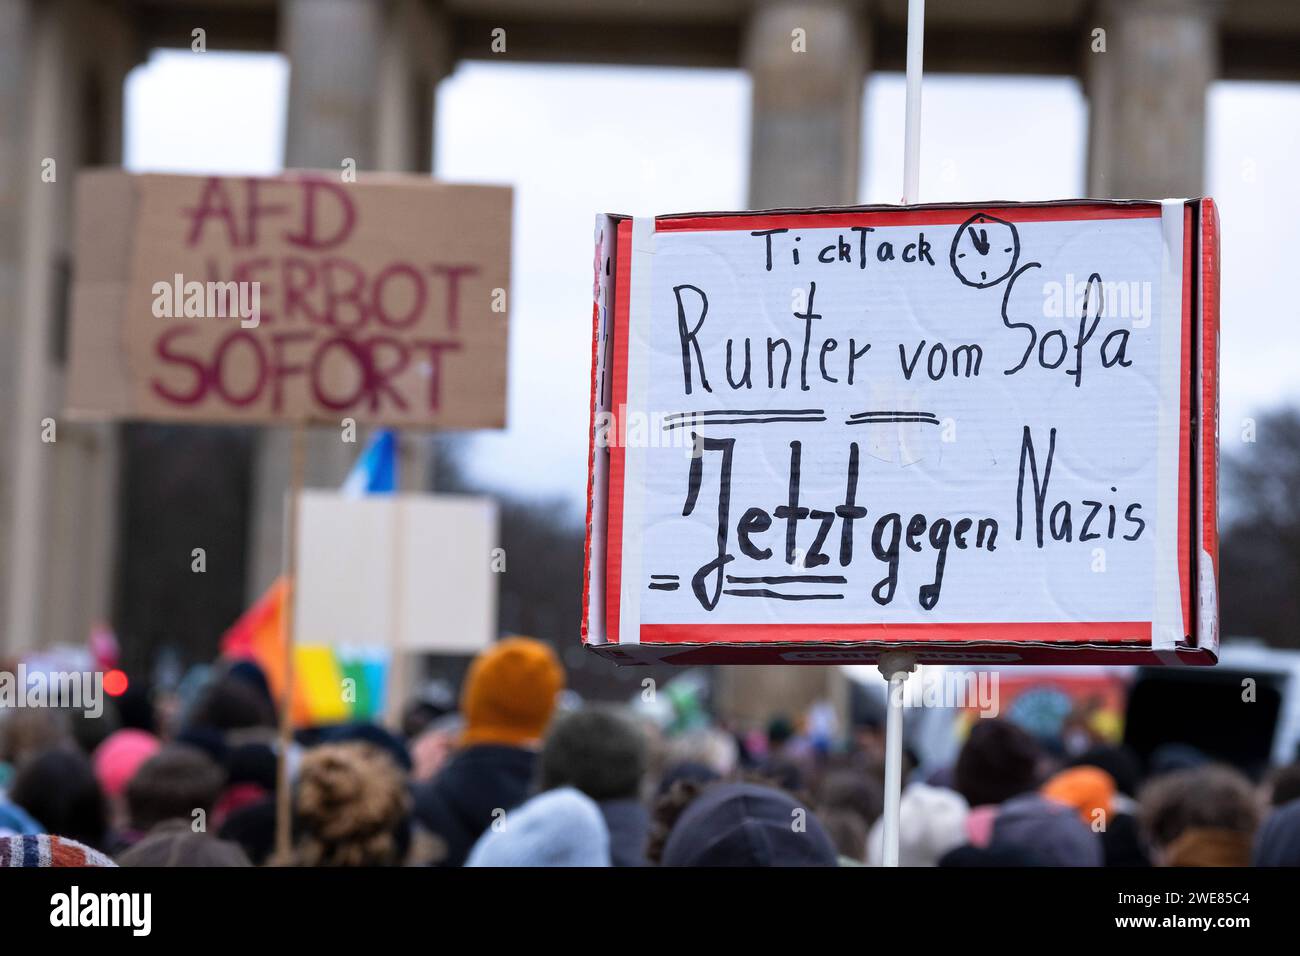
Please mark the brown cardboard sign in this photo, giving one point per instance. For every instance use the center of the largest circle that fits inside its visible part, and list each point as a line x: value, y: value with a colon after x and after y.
x: 293, y: 299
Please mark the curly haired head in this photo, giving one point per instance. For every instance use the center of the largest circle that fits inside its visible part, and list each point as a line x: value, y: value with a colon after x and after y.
x: 351, y: 808
x: 668, y: 806
x: 1213, y: 796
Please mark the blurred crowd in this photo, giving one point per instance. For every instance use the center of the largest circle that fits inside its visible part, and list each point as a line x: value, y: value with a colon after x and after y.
x: 507, y: 773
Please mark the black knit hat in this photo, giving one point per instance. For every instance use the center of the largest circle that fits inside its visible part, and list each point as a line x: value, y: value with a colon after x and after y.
x: 742, y: 824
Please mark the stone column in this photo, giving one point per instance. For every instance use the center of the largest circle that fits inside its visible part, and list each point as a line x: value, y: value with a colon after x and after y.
x: 1146, y: 93
x: 59, y: 498
x: 808, y: 66
x: 807, y: 63
x: 361, y: 85
x: 16, y: 32
x: 416, y: 56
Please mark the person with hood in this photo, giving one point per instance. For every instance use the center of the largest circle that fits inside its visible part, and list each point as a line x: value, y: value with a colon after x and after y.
x: 602, y: 752
x: 561, y: 827
x: 506, y: 702
x: 1202, y: 816
x: 744, y: 824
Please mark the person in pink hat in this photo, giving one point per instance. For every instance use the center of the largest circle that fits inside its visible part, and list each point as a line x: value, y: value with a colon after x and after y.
x: 116, y: 761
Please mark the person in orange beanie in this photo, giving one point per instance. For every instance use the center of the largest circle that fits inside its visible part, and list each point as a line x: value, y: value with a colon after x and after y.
x: 509, y: 693
x: 1089, y: 790
x: 506, y: 703
x: 1095, y: 796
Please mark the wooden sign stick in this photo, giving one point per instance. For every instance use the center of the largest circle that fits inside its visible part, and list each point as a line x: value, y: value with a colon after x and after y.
x: 284, y: 788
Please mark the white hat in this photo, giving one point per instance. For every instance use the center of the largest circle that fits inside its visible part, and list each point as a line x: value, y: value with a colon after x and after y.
x: 932, y: 821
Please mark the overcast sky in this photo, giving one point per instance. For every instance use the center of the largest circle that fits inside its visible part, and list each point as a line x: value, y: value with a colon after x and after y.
x: 575, y: 141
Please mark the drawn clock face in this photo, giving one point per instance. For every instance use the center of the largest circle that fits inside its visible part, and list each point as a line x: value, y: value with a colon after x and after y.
x: 984, y: 251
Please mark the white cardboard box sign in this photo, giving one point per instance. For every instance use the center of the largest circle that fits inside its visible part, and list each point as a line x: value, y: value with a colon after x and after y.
x: 975, y: 432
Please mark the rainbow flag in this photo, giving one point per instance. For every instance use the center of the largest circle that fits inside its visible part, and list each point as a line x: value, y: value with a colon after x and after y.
x: 331, y: 685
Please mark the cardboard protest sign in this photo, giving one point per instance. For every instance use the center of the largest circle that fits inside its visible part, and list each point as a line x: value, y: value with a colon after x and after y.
x: 982, y: 433
x: 411, y: 572
x: 297, y: 298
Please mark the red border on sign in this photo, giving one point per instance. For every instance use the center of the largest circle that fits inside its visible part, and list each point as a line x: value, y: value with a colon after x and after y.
x: 617, y: 456
x: 1054, y: 632
x: 1118, y: 633
x: 1185, y: 562
x: 1210, y: 384
x: 901, y: 217
x: 591, y: 471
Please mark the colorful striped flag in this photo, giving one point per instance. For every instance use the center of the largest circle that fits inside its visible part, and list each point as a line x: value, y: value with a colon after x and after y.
x: 331, y: 685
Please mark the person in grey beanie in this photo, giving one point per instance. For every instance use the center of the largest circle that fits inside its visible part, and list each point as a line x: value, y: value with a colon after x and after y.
x: 1054, y: 831
x: 602, y: 751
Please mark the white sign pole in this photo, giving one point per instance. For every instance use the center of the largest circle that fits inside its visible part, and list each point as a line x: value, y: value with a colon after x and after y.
x: 912, y: 117
x: 896, y: 665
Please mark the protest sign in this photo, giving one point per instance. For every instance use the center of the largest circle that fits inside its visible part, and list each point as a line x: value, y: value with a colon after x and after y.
x: 410, y: 572
x: 295, y: 299
x: 978, y: 433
